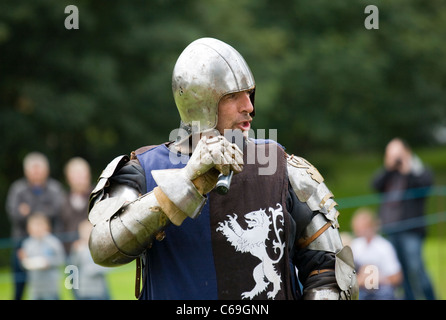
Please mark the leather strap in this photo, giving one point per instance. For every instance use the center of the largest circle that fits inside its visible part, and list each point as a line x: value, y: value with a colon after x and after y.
x: 138, y: 278
x: 319, y: 271
x: 302, y: 243
x: 169, y: 208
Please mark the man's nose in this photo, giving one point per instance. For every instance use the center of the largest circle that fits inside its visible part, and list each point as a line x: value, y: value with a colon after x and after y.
x: 246, y: 104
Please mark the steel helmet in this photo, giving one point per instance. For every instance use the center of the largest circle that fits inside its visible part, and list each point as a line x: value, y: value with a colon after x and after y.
x: 205, y: 71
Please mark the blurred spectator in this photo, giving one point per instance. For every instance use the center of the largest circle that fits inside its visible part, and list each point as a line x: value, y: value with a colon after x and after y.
x: 404, y: 182
x: 41, y: 255
x: 75, y: 208
x: 379, y: 270
x: 36, y: 192
x: 92, y: 280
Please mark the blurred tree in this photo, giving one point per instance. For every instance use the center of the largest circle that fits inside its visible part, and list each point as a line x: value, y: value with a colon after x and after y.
x: 323, y: 80
x: 354, y: 89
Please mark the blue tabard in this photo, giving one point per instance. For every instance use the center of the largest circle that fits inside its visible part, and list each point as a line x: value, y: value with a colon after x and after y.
x: 183, y: 265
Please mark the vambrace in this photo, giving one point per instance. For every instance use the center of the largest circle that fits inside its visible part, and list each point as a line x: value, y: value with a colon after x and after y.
x: 322, y: 234
x: 125, y: 223
x: 337, y: 284
x: 128, y: 231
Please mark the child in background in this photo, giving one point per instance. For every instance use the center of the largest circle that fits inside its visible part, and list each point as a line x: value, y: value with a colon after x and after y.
x: 92, y: 281
x: 41, y: 255
x: 379, y: 271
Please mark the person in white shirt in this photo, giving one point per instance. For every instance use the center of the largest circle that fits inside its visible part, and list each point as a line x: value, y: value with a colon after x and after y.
x: 379, y: 271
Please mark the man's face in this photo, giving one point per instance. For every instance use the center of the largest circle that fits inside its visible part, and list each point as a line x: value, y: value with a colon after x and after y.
x: 79, y: 178
x: 37, y: 174
x: 234, y: 112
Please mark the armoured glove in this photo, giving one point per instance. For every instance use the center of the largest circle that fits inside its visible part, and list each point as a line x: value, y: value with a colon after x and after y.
x: 180, y: 191
x: 210, y: 158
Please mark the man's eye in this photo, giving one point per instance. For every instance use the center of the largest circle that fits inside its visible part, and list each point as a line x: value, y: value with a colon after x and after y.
x: 230, y: 96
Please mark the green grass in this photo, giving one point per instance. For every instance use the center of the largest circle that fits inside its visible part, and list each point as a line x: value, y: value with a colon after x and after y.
x: 435, y: 260
x: 121, y: 280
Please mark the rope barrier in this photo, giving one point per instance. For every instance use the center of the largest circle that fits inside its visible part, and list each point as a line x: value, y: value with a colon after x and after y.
x: 377, y: 198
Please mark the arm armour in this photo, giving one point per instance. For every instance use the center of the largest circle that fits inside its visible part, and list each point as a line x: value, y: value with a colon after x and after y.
x: 125, y: 221
x: 326, y: 267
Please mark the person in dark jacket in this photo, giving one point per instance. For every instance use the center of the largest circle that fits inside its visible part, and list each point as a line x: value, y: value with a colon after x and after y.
x: 404, y: 183
x: 35, y: 192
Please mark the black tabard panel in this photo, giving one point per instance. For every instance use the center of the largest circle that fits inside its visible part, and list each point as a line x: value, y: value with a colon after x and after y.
x: 249, y: 228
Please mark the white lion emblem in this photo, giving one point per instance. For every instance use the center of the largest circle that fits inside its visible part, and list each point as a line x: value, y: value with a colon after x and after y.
x: 253, y: 240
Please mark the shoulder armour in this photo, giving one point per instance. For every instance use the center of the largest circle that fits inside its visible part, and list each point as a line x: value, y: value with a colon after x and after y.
x: 309, y: 186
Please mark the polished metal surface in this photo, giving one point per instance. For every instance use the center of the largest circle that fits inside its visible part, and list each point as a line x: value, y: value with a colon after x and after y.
x: 309, y: 187
x: 346, y: 274
x: 128, y: 233
x: 329, y: 240
x: 205, y: 71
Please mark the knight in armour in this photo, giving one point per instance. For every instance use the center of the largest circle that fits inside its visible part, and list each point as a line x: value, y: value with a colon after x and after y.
x: 271, y: 234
